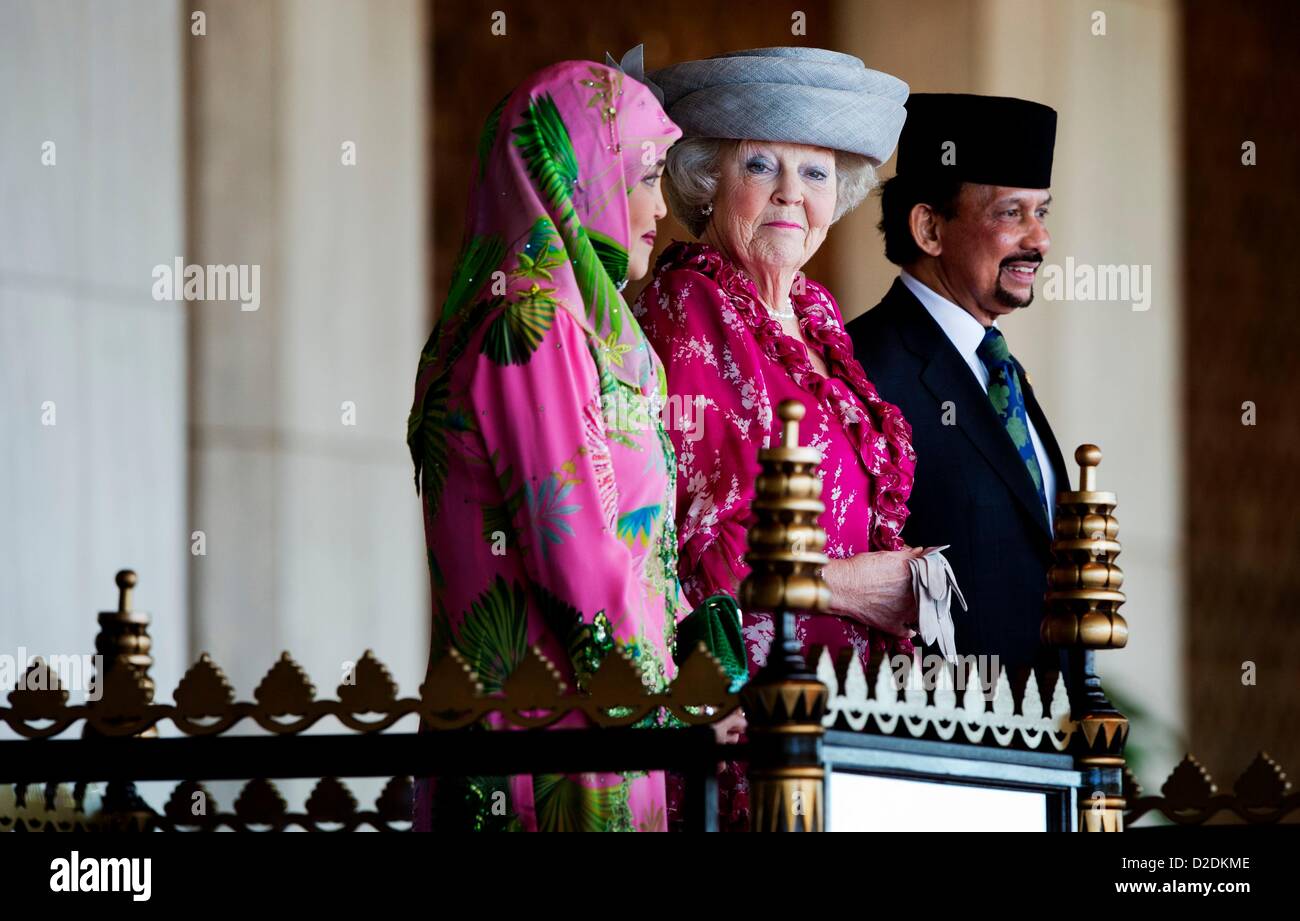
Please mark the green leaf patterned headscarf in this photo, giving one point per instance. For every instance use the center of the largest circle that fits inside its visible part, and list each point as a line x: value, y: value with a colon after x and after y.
x: 548, y: 228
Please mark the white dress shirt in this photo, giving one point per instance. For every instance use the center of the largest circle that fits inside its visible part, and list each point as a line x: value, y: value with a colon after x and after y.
x: 966, y: 333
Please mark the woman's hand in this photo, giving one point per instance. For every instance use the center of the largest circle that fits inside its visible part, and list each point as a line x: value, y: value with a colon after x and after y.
x: 729, y: 728
x: 875, y: 589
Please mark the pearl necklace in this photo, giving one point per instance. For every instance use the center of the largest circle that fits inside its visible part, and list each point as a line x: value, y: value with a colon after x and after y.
x: 786, y: 314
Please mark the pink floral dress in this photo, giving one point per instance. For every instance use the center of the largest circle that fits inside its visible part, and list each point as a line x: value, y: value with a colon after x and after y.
x: 726, y: 356
x: 547, y: 479
x: 723, y: 352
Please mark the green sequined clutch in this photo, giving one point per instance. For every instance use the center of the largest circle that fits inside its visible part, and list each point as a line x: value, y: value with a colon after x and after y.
x: 716, y: 624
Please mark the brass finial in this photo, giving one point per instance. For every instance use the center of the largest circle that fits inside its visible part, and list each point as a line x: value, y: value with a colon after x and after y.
x: 790, y: 412
x: 123, y: 642
x: 784, y: 702
x: 1082, y: 616
x: 1083, y: 597
x: 126, y: 689
x: 1088, y: 457
x: 786, y: 542
x: 126, y: 580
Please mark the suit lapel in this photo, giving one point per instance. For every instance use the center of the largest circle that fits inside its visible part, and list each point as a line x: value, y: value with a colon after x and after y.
x: 948, y: 378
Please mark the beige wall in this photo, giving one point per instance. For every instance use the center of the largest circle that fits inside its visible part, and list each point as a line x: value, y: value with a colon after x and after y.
x: 1105, y: 373
x: 889, y: 35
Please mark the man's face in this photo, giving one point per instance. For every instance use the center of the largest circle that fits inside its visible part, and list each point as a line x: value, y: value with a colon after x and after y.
x: 993, y: 248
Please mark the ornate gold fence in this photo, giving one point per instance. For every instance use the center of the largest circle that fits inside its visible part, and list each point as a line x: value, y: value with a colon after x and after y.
x: 1058, y: 736
x: 121, y: 743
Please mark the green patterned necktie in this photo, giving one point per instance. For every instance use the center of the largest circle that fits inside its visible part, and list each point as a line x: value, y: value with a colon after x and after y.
x: 1009, y: 403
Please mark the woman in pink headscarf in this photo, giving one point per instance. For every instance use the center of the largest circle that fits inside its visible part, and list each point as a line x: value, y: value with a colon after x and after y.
x: 548, y: 481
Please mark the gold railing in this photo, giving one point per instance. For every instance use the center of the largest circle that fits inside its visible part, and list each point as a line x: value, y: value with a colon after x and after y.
x: 790, y: 705
x: 121, y: 739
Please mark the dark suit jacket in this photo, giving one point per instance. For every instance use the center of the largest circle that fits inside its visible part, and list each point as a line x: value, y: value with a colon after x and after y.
x: 972, y: 490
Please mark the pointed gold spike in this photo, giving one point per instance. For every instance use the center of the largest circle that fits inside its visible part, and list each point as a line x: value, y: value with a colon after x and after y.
x: 331, y: 801
x: 1262, y: 784
x: 190, y: 803
x: 204, y: 690
x: 260, y: 803
x: 617, y: 682
x: 701, y: 681
x: 535, y: 685
x: 791, y: 699
x: 372, y: 689
x: 396, y: 801
x: 1189, y: 786
x: 450, y: 685
x: 40, y: 696
x: 285, y: 690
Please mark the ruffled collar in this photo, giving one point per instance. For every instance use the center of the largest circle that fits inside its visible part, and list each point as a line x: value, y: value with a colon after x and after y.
x: 882, y: 436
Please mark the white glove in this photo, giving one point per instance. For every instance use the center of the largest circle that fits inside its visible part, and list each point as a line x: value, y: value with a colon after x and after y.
x: 934, y: 585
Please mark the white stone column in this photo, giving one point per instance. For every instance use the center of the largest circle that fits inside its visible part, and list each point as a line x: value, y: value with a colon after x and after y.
x: 92, y: 368
x: 314, y: 538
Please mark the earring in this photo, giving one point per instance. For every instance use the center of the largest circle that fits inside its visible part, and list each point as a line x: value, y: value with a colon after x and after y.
x: 707, y: 209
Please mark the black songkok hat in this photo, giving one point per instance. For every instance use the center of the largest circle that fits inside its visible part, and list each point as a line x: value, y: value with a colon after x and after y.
x: 991, y: 140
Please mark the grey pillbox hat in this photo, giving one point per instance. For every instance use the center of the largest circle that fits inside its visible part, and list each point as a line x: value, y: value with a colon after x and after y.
x: 798, y: 95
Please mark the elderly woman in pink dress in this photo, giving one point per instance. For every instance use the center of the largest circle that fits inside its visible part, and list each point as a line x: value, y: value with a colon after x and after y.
x: 779, y: 143
x: 548, y: 507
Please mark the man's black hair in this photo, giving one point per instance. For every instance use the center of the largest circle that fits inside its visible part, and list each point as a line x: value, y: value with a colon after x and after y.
x: 898, y: 196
